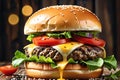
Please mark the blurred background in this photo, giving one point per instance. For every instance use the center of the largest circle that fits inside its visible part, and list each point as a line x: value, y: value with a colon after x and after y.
x: 14, y: 13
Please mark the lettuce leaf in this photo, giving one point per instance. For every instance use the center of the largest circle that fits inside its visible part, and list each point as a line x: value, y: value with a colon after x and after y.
x: 33, y: 58
x: 110, y: 62
x: 72, y: 61
x: 31, y: 36
x: 87, y: 34
x: 20, y: 57
x: 17, y: 62
x: 54, y: 66
x: 42, y: 59
x: 94, y: 64
x: 19, y: 54
x: 66, y: 34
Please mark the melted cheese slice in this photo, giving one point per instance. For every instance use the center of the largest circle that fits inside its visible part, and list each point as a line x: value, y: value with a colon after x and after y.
x: 30, y: 48
x: 65, y: 50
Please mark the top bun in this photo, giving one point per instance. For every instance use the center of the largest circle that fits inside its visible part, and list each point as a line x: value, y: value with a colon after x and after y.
x: 62, y: 18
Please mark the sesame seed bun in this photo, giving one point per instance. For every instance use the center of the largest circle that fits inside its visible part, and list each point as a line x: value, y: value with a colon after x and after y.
x: 62, y: 18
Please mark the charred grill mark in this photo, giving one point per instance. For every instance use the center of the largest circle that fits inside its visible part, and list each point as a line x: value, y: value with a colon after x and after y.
x: 86, y: 52
x: 47, y: 52
x: 37, y: 50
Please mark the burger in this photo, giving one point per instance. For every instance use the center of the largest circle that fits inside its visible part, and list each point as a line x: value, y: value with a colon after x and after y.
x: 64, y: 44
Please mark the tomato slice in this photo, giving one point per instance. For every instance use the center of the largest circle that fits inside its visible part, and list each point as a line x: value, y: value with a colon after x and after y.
x: 8, y: 69
x: 48, y: 41
x: 90, y: 41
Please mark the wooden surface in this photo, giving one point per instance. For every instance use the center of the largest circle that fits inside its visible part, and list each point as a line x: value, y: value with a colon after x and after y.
x: 20, y: 74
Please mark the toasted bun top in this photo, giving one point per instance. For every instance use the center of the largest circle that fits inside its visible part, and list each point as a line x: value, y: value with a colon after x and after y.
x: 62, y: 18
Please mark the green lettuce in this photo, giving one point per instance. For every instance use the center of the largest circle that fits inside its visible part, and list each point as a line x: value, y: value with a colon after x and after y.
x: 20, y: 57
x: 66, y: 34
x: 31, y: 36
x: 72, y: 61
x: 109, y: 62
x: 94, y: 64
x: 87, y: 34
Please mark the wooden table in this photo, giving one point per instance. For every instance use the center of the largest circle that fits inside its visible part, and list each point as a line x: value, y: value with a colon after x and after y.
x: 20, y: 74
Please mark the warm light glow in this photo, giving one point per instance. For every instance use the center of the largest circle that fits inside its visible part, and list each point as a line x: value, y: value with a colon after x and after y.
x: 27, y: 10
x: 13, y: 19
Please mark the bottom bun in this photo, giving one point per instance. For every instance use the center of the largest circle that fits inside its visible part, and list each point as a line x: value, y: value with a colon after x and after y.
x: 68, y: 74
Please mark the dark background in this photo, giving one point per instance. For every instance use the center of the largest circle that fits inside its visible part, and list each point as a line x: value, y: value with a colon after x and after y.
x: 13, y: 38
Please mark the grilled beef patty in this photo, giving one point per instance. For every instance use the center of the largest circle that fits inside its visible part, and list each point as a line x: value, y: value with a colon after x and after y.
x: 85, y: 52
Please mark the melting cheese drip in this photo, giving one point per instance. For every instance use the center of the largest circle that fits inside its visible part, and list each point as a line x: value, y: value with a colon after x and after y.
x: 65, y: 50
x: 30, y: 48
x: 62, y: 65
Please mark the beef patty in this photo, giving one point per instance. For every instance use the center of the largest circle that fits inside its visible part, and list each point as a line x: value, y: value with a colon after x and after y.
x: 85, y: 52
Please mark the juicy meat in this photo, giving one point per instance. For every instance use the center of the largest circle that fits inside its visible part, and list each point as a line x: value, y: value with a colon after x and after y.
x: 47, y: 52
x: 85, y: 52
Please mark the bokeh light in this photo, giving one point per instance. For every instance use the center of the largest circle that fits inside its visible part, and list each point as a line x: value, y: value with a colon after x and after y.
x: 27, y: 10
x: 13, y: 19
